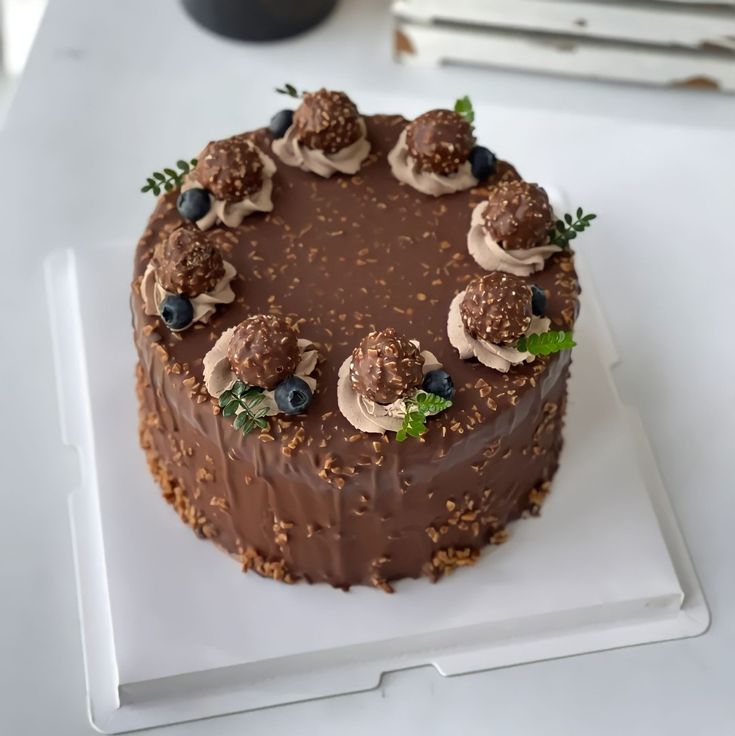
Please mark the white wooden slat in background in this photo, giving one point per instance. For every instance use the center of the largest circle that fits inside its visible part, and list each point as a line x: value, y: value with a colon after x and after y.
x: 428, y: 44
x: 660, y: 23
x: 706, y: 3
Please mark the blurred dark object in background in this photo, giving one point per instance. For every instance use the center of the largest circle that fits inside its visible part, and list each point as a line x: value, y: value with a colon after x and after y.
x: 258, y: 20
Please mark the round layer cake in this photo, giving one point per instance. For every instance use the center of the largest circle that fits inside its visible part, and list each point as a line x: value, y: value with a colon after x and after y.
x: 309, y: 496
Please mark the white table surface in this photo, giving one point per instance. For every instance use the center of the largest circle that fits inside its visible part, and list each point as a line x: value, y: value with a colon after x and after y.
x: 106, y: 96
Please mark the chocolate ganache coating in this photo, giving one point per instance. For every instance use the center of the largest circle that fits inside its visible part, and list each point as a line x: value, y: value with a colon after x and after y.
x: 231, y: 169
x: 440, y: 141
x: 309, y: 497
x: 186, y: 262
x: 327, y: 121
x: 497, y: 308
x: 263, y: 351
x: 518, y: 215
x: 385, y: 366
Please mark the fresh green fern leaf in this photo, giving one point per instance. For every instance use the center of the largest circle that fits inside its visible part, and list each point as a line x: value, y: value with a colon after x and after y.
x: 546, y: 343
x: 243, y: 402
x: 464, y: 107
x: 566, y: 229
x: 288, y: 89
x: 418, y: 409
x: 168, y: 179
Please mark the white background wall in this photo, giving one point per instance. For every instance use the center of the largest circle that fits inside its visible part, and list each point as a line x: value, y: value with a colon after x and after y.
x: 19, y: 20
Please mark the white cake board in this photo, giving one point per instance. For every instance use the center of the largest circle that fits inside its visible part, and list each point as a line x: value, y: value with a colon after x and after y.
x: 173, y: 631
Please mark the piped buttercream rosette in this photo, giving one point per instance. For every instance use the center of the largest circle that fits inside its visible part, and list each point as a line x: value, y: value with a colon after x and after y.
x: 232, y: 214
x: 369, y: 416
x: 204, y: 305
x: 405, y: 169
x: 491, y: 256
x: 219, y: 376
x: 498, y: 357
x: 292, y: 152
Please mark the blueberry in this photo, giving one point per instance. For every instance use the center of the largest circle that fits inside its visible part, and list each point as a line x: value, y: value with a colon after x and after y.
x: 176, y: 311
x: 280, y: 123
x: 483, y: 163
x: 538, y: 300
x: 440, y: 383
x: 193, y: 204
x: 293, y: 395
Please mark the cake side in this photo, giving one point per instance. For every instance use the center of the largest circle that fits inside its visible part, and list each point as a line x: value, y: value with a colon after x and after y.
x: 310, y: 497
x: 393, y: 524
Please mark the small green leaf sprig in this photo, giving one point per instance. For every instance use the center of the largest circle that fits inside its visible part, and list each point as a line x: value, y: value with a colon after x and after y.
x: 289, y: 90
x: 463, y: 106
x: 546, y: 343
x: 567, y: 229
x: 249, y: 399
x: 168, y: 179
x: 418, y: 409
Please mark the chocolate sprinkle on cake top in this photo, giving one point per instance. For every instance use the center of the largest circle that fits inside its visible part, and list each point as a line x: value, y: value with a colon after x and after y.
x: 497, y: 308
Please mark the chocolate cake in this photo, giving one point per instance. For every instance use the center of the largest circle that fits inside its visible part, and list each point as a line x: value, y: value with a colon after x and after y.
x: 325, y: 401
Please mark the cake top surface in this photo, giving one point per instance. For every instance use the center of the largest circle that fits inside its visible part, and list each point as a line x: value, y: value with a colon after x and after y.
x: 343, y: 256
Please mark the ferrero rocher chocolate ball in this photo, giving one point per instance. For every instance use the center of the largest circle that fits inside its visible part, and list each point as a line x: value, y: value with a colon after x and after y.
x: 263, y: 351
x: 496, y: 308
x: 187, y: 262
x: 440, y: 141
x: 326, y: 121
x: 518, y: 215
x: 385, y: 366
x: 230, y: 169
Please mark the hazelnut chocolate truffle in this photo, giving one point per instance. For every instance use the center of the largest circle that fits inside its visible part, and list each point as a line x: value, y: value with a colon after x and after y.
x: 439, y: 141
x: 496, y: 308
x: 327, y: 121
x: 187, y: 262
x: 518, y: 215
x: 230, y: 169
x: 385, y: 366
x: 263, y: 351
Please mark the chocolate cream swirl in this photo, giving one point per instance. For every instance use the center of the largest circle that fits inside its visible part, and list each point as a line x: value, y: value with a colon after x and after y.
x: 369, y: 416
x: 204, y: 304
x: 232, y: 214
x: 491, y: 256
x: 219, y: 376
x: 405, y: 169
x: 499, y: 357
x: 291, y: 151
